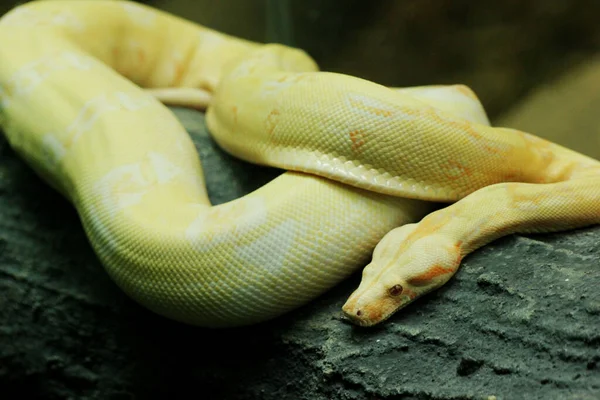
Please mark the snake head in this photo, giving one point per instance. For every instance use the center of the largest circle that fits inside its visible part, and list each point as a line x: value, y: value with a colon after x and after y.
x: 406, y: 264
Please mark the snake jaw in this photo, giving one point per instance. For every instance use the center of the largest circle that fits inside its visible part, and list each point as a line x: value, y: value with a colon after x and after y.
x: 405, y: 266
x: 373, y: 302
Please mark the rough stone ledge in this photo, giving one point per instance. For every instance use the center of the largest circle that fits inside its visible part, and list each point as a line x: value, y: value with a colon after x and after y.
x: 520, y: 320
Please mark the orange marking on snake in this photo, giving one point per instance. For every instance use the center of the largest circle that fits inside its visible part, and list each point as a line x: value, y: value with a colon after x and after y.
x: 272, y: 120
x: 469, y: 130
x: 141, y: 56
x: 380, y: 112
x: 432, y: 273
x: 292, y: 78
x: 456, y: 170
x: 466, y: 91
x: 518, y: 198
x: 373, y: 311
x: 462, y: 125
x: 428, y: 226
x: 466, y: 127
x: 534, y: 141
x: 234, y: 113
x: 511, y: 176
x: 410, y: 293
x: 478, y: 138
x: 179, y: 70
x: 459, y: 255
x: 357, y: 138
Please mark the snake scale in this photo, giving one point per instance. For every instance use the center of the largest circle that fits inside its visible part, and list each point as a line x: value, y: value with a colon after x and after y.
x: 83, y: 88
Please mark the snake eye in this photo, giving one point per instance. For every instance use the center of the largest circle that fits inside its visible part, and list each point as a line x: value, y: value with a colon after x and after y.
x: 395, y: 290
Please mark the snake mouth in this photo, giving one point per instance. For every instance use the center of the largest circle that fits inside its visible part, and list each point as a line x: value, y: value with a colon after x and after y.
x: 355, y: 319
x: 369, y: 314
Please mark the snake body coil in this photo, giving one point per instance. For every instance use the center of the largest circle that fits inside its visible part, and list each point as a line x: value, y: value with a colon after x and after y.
x: 363, y: 159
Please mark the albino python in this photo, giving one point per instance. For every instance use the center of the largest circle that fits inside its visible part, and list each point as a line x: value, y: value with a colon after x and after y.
x: 365, y: 162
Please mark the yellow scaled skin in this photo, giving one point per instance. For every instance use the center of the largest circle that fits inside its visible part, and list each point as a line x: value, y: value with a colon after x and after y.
x: 365, y: 158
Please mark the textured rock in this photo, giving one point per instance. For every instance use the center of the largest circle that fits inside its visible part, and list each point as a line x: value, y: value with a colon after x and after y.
x: 521, y: 319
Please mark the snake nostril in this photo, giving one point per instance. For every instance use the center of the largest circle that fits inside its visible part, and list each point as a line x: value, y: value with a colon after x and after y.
x: 358, y: 313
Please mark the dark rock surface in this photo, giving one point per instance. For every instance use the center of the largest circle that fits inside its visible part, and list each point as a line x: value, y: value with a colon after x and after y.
x: 520, y: 320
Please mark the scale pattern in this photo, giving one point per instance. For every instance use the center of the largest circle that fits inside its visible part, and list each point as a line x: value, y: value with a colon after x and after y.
x: 363, y: 159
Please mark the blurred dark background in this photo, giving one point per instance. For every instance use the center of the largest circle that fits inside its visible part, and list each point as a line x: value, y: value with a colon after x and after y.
x: 500, y: 49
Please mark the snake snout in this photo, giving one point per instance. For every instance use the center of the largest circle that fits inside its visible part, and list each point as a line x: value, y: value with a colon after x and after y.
x: 370, y: 307
x: 361, y: 316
